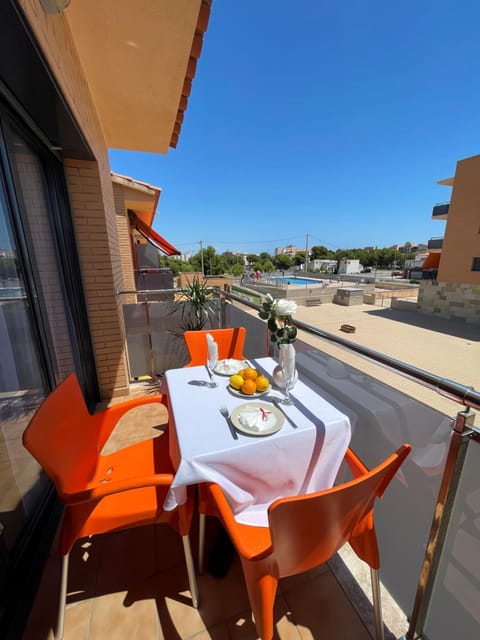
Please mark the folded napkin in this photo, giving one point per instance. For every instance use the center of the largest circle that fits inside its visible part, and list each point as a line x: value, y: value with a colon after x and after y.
x: 212, y: 348
x: 256, y: 419
x: 229, y: 366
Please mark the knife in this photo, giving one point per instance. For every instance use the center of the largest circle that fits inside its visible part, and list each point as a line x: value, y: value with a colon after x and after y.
x: 276, y: 403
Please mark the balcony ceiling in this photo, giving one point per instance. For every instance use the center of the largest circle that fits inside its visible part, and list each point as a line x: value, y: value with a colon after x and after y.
x: 139, y: 59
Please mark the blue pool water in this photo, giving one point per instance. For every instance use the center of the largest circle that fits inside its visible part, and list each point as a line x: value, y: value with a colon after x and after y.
x: 297, y: 281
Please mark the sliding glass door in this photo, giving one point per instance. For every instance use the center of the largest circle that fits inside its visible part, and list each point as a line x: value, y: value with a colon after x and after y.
x: 44, y: 332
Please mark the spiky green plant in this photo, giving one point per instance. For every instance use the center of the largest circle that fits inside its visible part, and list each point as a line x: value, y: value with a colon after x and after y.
x: 197, y: 305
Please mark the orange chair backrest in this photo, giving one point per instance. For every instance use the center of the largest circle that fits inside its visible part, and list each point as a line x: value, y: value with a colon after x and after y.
x: 60, y: 436
x: 230, y: 344
x: 307, y: 530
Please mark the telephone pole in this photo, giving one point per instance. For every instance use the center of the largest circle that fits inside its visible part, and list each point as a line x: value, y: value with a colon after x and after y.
x: 201, y: 257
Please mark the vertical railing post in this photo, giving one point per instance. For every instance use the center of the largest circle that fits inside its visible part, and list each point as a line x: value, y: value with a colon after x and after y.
x: 150, y: 341
x: 461, y: 432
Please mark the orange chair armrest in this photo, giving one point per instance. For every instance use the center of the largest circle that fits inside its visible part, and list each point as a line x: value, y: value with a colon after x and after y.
x: 226, y: 515
x: 98, y: 491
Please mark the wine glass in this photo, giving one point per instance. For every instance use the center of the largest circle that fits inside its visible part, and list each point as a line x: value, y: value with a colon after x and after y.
x: 212, y: 362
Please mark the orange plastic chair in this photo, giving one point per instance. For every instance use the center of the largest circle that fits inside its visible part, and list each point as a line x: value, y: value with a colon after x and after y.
x: 305, y: 531
x: 102, y: 493
x: 230, y: 344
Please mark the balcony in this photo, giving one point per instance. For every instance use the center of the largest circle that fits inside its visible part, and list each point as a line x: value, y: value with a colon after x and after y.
x: 435, y: 244
x: 440, y: 211
x: 146, y: 595
x: 389, y: 402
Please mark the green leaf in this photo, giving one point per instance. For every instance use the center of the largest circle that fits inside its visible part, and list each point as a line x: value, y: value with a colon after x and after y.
x: 272, y: 325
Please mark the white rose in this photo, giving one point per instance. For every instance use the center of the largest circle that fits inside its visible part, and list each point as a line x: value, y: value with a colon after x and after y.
x: 285, y: 307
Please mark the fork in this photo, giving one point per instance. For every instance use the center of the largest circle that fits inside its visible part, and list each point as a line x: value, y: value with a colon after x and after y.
x: 226, y: 415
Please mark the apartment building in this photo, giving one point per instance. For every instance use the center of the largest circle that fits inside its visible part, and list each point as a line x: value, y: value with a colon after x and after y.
x: 76, y: 78
x: 289, y: 250
x: 455, y: 293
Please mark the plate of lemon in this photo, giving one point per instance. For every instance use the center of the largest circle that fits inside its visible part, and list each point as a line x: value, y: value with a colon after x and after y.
x: 249, y: 382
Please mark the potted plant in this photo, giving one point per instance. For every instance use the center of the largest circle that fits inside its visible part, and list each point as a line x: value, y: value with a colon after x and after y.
x: 197, y: 305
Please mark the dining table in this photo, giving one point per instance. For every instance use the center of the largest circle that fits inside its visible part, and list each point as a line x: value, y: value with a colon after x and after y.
x: 302, y: 454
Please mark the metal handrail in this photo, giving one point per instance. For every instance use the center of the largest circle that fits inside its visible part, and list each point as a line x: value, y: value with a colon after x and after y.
x: 468, y: 396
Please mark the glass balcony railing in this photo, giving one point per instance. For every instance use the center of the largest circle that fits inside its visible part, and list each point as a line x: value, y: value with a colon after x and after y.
x: 435, y: 244
x: 428, y: 521
x: 440, y: 210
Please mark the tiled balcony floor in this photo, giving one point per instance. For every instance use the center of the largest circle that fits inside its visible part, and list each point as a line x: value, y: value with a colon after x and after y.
x: 133, y: 585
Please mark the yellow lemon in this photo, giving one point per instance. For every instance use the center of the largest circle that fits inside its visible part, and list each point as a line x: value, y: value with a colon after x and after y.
x: 249, y: 387
x: 262, y: 383
x: 236, y: 381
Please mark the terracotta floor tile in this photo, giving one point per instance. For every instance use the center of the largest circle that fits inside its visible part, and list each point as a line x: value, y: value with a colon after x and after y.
x: 129, y: 555
x: 113, y: 618
x: 180, y: 614
x: 218, y: 632
x: 84, y: 566
x: 321, y: 611
x: 169, y: 547
x: 242, y: 627
x: 211, y: 602
x: 77, y: 621
x: 294, y: 582
x: 233, y: 589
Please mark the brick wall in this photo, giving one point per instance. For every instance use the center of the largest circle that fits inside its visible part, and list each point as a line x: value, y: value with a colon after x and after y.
x: 125, y: 243
x: 94, y: 241
x: 92, y: 200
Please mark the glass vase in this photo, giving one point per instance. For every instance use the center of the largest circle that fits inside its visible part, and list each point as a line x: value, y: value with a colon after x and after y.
x: 286, y: 365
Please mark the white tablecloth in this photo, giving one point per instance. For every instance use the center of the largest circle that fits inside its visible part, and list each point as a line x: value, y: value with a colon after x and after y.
x: 252, y: 471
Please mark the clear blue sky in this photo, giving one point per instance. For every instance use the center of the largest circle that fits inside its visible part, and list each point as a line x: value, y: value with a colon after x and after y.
x: 335, y: 119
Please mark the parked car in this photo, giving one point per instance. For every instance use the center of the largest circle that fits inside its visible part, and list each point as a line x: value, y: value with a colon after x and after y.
x: 397, y: 273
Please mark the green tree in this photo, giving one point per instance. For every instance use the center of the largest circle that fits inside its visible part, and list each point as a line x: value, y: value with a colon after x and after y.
x: 282, y: 261
x: 173, y: 264
x: 213, y: 264
x: 299, y: 258
x: 236, y: 270
x: 320, y: 252
x: 268, y: 266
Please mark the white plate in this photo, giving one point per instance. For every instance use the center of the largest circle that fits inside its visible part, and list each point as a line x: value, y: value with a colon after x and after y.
x: 273, y: 423
x: 240, y: 394
x: 229, y: 366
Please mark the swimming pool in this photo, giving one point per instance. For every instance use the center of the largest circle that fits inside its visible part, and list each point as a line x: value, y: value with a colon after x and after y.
x: 298, y: 281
